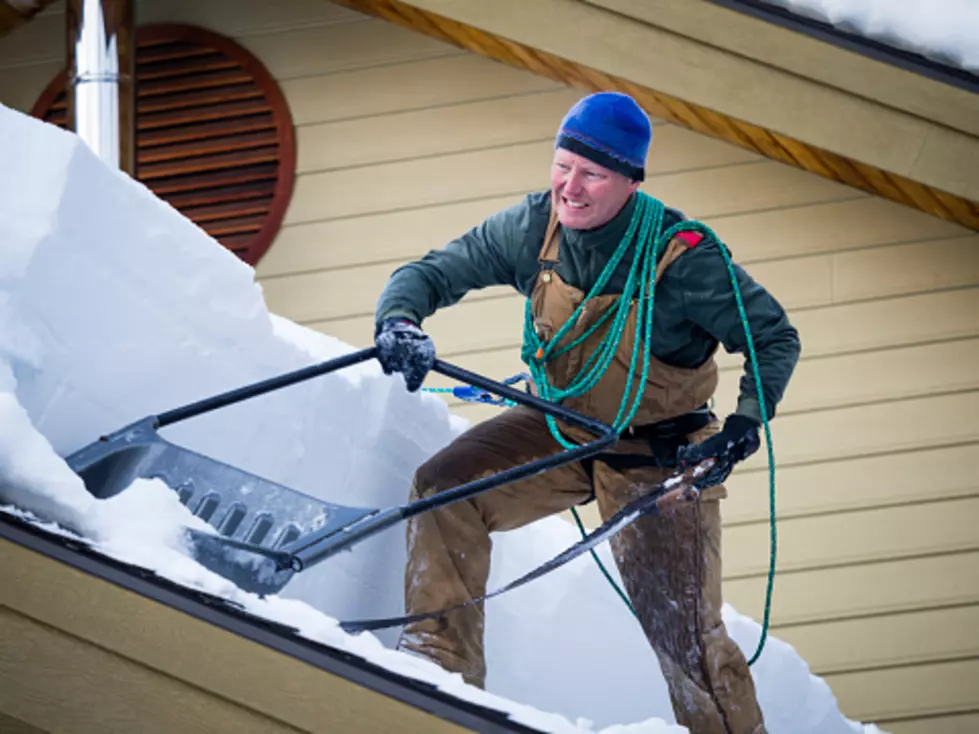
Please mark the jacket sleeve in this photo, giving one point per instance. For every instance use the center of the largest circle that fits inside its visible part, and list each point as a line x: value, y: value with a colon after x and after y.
x: 710, y: 304
x: 484, y: 256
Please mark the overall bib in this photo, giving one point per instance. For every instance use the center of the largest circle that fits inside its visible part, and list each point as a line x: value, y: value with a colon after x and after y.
x: 670, y: 564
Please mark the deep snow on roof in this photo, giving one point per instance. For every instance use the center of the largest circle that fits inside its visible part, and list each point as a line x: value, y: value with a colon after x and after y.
x: 944, y: 31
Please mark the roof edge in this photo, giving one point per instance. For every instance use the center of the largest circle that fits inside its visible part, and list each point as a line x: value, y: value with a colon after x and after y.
x: 281, y: 638
x: 865, y: 177
x: 865, y: 46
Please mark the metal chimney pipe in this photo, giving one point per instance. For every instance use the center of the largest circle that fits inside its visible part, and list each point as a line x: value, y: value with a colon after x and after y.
x: 100, y: 89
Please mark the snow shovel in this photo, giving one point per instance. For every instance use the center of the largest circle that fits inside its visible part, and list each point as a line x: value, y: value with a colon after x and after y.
x: 264, y: 532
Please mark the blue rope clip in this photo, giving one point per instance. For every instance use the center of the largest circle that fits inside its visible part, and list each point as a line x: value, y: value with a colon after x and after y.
x: 473, y: 394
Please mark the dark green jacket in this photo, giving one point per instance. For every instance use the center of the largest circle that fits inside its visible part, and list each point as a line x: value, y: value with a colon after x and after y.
x: 695, y: 304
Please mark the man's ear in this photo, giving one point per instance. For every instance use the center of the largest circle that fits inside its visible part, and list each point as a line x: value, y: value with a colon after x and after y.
x: 634, y: 186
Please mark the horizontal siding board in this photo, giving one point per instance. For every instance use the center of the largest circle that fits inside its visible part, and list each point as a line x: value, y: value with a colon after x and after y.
x: 391, y: 237
x: 20, y: 87
x: 887, y: 374
x: 763, y: 185
x: 338, y: 293
x: 857, y: 483
x: 408, y: 184
x: 872, y: 429
x: 888, y: 640
x: 524, y: 167
x: 37, y: 42
x: 466, y: 126
x: 862, y: 590
x: 950, y: 724
x: 855, y: 537
x: 246, y: 17
x: 834, y: 226
x: 884, y: 323
x: 308, y: 51
x: 908, y: 691
x: 408, y: 86
x: 906, y: 269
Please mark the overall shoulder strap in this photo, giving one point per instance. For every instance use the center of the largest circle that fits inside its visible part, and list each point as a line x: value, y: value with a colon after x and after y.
x: 680, y: 243
x: 551, y: 247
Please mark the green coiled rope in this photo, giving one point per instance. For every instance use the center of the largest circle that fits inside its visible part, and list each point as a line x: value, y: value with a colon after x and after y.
x: 646, y: 237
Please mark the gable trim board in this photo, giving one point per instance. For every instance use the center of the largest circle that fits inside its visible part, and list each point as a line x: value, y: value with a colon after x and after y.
x: 905, y: 173
x: 129, y: 620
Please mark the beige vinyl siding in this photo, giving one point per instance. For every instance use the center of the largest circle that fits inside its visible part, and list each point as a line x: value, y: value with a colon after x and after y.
x: 405, y: 143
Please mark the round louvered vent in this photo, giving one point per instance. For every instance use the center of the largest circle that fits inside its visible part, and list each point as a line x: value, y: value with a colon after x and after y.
x: 214, y: 136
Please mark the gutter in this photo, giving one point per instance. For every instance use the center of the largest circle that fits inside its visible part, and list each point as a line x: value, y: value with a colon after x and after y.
x: 868, y: 47
x: 284, y: 639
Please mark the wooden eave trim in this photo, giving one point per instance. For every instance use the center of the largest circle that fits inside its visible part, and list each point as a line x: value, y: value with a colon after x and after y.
x: 768, y: 143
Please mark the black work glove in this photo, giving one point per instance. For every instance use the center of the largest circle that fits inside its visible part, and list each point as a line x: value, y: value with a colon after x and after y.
x: 738, y: 440
x: 405, y: 348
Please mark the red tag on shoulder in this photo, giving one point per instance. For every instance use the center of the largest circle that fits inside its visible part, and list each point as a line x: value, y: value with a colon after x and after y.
x: 691, y: 238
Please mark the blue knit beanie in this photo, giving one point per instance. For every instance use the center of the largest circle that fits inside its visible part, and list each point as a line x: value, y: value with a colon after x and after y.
x: 609, y: 129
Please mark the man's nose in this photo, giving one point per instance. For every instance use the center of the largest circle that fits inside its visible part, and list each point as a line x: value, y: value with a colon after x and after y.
x: 573, y: 181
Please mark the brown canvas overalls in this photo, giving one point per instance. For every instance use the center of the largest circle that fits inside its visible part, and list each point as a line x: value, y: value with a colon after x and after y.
x: 670, y: 564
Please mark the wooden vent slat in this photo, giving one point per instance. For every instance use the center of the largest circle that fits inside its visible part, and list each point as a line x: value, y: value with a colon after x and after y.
x: 216, y: 195
x: 264, y: 172
x: 217, y: 212
x: 170, y: 52
x: 226, y: 111
x: 206, y: 131
x: 189, y: 82
x: 214, y: 136
x: 184, y: 67
x: 206, y: 164
x: 184, y: 100
x: 238, y: 225
x: 226, y: 143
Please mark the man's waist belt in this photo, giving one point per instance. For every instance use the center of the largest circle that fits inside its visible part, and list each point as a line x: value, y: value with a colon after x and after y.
x: 671, y: 429
x: 663, y: 438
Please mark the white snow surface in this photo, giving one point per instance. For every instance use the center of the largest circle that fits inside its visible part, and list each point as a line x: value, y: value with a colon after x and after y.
x: 113, y: 307
x: 945, y: 31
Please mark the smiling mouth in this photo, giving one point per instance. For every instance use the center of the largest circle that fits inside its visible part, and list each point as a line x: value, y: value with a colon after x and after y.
x: 573, y: 205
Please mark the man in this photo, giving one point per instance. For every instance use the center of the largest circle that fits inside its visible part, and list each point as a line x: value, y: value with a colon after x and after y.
x: 553, y: 247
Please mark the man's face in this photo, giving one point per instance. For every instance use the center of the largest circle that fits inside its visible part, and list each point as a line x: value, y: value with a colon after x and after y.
x: 586, y: 194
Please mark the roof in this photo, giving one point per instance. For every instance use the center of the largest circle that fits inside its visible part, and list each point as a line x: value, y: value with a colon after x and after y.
x: 18, y: 535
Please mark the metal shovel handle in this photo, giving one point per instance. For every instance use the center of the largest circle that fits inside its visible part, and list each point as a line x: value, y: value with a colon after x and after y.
x: 599, y: 429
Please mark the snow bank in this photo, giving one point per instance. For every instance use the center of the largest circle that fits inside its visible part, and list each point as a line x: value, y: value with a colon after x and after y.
x: 946, y: 31
x: 114, y: 307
